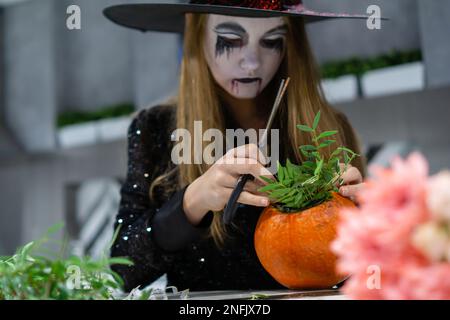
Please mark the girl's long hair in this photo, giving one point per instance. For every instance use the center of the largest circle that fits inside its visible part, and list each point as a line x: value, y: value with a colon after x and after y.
x: 198, y: 100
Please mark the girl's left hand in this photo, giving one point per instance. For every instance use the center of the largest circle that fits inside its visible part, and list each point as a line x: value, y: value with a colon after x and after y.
x: 352, y: 182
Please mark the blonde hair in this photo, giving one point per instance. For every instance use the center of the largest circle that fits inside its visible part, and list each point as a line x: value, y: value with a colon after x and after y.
x: 198, y: 100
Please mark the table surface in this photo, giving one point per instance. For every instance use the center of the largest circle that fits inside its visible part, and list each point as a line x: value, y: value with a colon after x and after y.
x: 268, y: 294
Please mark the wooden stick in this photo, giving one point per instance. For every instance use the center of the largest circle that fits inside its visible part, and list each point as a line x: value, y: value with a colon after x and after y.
x: 278, y: 99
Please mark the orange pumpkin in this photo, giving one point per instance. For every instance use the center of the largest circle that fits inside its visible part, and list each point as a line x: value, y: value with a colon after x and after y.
x: 294, y: 248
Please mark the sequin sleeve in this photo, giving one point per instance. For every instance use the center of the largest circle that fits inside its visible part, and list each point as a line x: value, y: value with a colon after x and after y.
x: 138, y: 217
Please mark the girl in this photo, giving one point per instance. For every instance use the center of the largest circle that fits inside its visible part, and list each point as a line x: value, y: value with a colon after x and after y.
x: 235, y: 55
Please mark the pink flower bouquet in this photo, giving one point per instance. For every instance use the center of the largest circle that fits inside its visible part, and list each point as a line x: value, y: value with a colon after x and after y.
x: 396, y: 245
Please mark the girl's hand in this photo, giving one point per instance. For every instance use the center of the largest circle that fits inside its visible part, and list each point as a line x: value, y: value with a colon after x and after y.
x: 352, y: 182
x: 212, y: 190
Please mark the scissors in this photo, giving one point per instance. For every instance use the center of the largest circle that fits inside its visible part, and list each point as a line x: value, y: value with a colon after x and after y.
x: 231, y: 207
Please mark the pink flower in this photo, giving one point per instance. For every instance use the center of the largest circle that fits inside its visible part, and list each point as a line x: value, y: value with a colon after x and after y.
x: 433, y: 240
x: 438, y: 199
x: 378, y: 236
x: 426, y: 283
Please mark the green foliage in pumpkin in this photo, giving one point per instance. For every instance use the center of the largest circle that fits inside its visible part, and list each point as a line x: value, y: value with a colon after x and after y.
x: 302, y: 186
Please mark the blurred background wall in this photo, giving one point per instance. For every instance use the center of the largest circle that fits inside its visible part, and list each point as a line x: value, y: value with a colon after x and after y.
x: 72, y: 174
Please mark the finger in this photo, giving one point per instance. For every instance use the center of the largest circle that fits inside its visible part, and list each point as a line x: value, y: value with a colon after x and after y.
x: 352, y: 176
x: 342, y: 166
x: 351, y: 191
x: 229, y: 181
x: 226, y: 180
x: 253, y: 186
x: 256, y: 170
x: 249, y: 151
x: 342, y: 169
x: 253, y: 200
x: 248, y: 198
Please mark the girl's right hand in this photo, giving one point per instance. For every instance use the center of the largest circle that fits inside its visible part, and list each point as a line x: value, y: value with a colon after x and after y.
x: 212, y: 190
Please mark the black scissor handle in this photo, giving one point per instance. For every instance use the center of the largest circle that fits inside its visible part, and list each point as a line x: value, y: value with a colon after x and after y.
x: 230, y: 210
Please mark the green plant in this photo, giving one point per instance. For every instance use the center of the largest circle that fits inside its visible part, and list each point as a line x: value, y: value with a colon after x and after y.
x: 73, y: 117
x: 28, y: 275
x: 299, y: 187
x: 359, y: 66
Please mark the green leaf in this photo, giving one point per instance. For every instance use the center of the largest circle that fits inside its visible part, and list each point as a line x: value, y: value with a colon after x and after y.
x: 280, y: 172
x: 335, y: 152
x: 122, y: 261
x: 316, y: 120
x: 308, y: 147
x: 286, y: 176
x: 54, y: 228
x: 346, y: 158
x: 326, y: 134
x: 307, y: 154
x: 347, y: 150
x: 270, y: 187
x: 327, y: 176
x: 298, y: 197
x: 268, y: 180
x: 146, y: 295
x: 326, y: 143
x: 27, y: 248
x: 319, y: 167
x: 279, y: 193
x: 308, y: 164
x: 289, y: 169
x: 287, y: 196
x: 304, y: 128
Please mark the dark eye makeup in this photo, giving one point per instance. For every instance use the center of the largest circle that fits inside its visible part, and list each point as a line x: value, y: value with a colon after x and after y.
x: 276, y: 44
x: 226, y: 45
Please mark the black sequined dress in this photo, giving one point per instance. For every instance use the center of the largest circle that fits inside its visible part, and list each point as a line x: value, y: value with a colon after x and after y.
x: 157, y: 236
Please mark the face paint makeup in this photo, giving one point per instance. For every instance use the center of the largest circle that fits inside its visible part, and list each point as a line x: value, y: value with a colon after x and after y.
x: 226, y: 45
x: 235, y: 83
x: 276, y: 44
x: 243, y: 54
x: 234, y: 87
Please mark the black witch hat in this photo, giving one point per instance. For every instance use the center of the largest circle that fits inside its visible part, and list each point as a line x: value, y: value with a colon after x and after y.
x: 169, y: 17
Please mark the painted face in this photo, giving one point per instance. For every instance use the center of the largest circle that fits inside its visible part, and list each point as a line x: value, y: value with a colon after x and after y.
x: 243, y: 54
